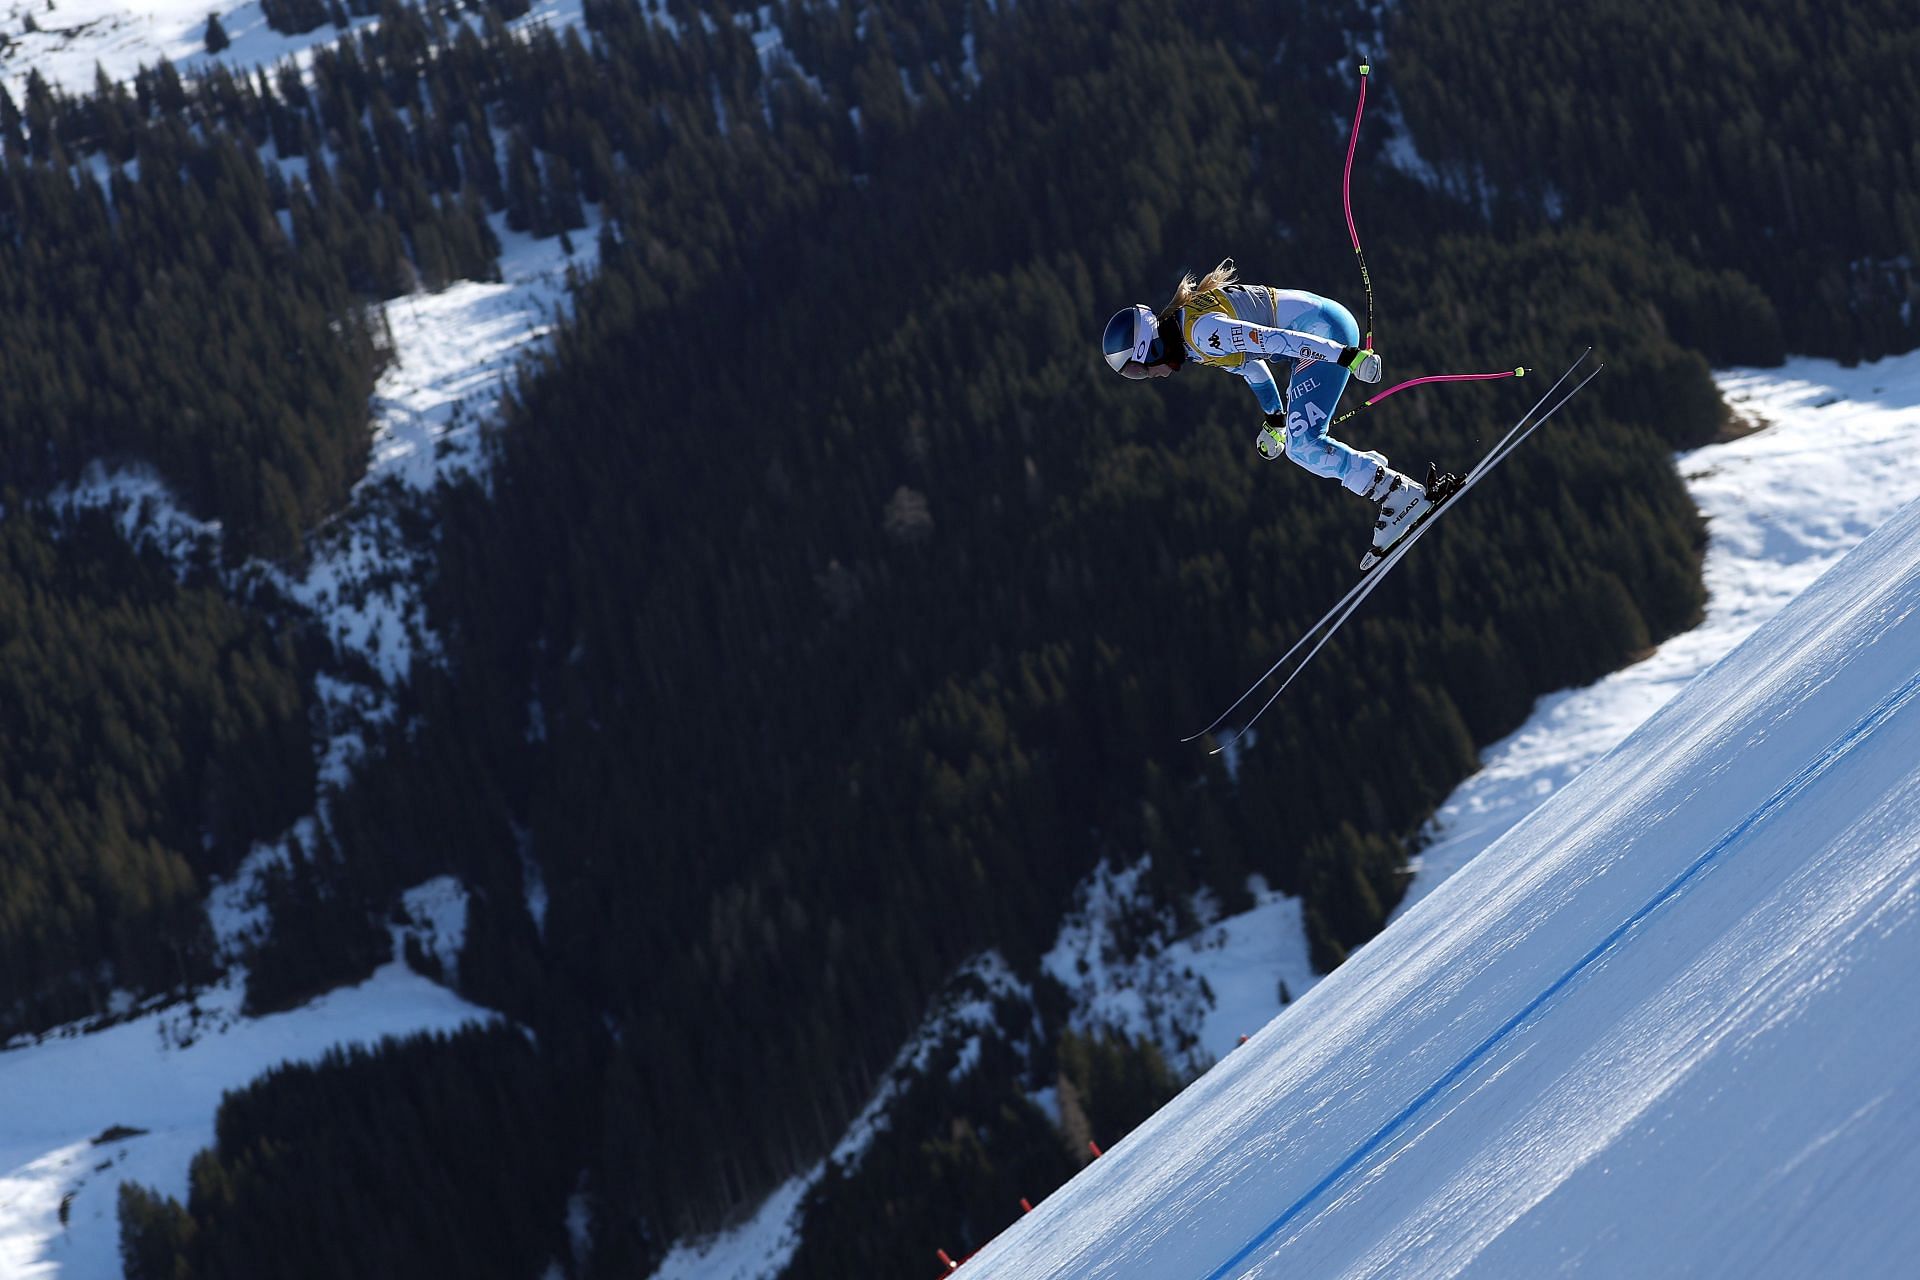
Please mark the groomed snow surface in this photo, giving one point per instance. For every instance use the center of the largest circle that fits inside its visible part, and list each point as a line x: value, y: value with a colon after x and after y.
x: 1830, y: 461
x: 1834, y: 459
x: 1643, y: 1118
x: 1664, y: 1026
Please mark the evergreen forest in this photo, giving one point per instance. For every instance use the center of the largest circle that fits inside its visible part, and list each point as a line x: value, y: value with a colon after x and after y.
x: 826, y: 613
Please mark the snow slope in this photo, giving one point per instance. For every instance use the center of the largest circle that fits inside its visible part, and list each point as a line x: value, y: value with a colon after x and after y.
x: 1663, y: 1026
x: 454, y: 353
x: 1830, y: 462
x: 1193, y: 996
x: 1833, y: 461
x: 75, y: 39
x: 160, y: 1073
x: 765, y: 1243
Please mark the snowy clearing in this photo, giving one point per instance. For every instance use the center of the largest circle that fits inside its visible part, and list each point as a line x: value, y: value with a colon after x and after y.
x: 76, y: 37
x: 161, y: 1073
x: 765, y: 1243
x: 454, y: 353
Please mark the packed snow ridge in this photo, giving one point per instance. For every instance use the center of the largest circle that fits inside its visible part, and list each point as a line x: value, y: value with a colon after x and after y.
x: 1661, y: 1026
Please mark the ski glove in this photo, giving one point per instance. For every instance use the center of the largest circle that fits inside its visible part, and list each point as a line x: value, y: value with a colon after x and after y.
x: 1272, y: 440
x: 1363, y: 363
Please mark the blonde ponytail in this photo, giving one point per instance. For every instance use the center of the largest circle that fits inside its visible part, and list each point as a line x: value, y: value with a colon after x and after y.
x: 1188, y: 289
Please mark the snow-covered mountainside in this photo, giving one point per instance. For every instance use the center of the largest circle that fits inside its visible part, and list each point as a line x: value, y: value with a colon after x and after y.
x: 1784, y: 505
x: 162, y: 1070
x: 765, y: 1243
x: 453, y: 353
x: 1659, y: 1027
x: 81, y: 1112
x: 69, y: 41
x: 1831, y: 461
x: 1828, y: 462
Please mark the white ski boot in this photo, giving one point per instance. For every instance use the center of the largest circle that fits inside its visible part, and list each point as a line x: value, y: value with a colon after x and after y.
x: 1400, y: 499
x: 1404, y: 504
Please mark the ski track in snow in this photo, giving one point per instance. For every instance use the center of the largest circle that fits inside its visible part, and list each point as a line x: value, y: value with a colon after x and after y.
x: 1830, y: 463
x: 1783, y: 505
x: 1658, y: 1028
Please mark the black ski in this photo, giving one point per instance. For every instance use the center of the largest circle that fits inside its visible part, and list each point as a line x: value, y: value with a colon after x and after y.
x: 1373, y: 575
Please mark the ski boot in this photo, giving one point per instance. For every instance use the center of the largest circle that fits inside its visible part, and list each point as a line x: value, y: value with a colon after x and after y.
x: 1404, y: 506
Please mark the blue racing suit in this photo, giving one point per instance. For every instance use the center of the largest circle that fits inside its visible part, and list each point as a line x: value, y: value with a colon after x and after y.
x: 1239, y: 327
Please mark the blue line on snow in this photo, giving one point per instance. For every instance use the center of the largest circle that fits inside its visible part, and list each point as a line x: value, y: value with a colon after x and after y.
x: 1808, y: 774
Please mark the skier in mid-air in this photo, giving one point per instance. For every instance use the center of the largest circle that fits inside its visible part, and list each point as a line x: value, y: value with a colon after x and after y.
x: 1220, y: 322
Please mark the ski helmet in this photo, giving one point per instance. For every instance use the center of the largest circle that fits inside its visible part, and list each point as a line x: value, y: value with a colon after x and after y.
x: 1132, y: 341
